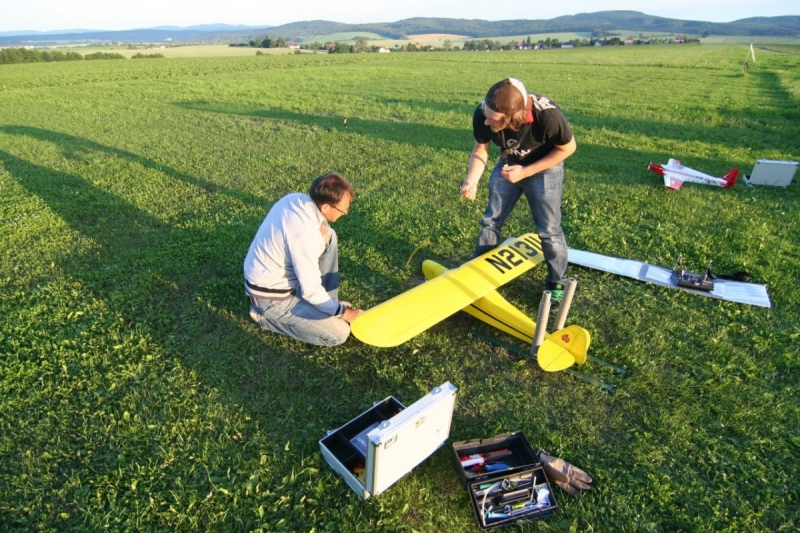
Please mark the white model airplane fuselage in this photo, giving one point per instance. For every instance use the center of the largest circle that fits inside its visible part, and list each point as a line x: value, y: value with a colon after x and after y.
x: 676, y: 175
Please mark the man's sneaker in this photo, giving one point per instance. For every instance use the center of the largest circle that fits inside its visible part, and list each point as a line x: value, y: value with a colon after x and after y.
x: 556, y: 295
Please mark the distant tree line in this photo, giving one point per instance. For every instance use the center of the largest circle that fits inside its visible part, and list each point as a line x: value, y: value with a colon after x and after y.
x: 104, y: 55
x: 362, y: 45
x: 551, y: 42
x: 140, y: 55
x: 24, y: 55
x: 10, y: 56
x: 266, y: 42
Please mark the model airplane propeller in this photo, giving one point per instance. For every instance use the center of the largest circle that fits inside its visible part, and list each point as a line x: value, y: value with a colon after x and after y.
x: 676, y: 175
x: 472, y: 288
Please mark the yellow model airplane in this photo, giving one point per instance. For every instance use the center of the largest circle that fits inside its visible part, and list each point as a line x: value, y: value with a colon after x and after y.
x: 472, y: 288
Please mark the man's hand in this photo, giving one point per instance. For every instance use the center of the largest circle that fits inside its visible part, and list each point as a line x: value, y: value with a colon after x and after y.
x: 475, y: 168
x: 469, y: 189
x: 513, y: 173
x: 351, y: 314
x: 569, y: 478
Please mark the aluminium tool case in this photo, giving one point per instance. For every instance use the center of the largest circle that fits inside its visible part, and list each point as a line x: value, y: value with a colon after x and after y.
x: 770, y: 172
x: 384, y: 443
x: 505, y: 480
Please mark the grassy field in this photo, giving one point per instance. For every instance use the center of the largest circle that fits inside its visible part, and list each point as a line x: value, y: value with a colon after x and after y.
x: 137, y: 395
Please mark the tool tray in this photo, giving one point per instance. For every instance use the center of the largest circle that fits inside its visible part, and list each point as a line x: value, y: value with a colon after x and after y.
x: 505, y: 480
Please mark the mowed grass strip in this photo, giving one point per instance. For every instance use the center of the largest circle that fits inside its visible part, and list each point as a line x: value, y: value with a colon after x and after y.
x: 136, y: 393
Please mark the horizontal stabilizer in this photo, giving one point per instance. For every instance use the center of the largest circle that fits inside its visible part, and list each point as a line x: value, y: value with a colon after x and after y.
x: 553, y: 357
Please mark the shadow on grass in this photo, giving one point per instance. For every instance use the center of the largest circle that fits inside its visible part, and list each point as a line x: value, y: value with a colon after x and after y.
x: 777, y: 95
x: 192, y: 302
x: 460, y: 139
x: 75, y: 147
x: 401, y: 132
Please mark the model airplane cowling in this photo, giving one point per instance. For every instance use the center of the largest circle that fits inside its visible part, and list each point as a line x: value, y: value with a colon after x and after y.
x: 676, y: 175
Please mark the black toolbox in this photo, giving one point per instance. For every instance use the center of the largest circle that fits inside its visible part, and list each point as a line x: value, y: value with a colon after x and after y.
x: 505, y: 480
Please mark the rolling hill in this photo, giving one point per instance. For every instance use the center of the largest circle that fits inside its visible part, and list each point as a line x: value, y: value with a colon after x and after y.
x: 599, y: 22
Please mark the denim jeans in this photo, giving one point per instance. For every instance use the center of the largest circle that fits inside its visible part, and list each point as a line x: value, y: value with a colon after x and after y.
x: 543, y: 192
x: 299, y: 319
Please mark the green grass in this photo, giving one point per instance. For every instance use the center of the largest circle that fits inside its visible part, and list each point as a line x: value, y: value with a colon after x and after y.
x: 136, y: 393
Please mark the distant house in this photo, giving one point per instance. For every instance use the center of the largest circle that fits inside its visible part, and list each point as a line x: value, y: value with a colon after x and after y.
x: 645, y: 40
x: 568, y: 45
x: 679, y: 39
x: 383, y: 50
x: 598, y: 43
x: 628, y: 41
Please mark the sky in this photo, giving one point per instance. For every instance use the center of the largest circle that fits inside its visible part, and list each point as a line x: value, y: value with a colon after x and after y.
x: 47, y: 15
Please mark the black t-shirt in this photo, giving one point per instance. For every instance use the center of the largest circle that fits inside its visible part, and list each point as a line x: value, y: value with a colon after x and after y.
x: 546, y: 127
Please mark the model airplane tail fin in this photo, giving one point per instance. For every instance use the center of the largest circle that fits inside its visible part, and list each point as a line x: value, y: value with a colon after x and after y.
x: 729, y: 179
x: 575, y: 339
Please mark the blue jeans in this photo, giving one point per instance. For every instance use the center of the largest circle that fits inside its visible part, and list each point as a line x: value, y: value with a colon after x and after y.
x: 543, y: 192
x: 299, y: 319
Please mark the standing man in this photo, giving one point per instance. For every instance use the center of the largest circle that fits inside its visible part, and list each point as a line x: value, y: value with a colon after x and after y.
x: 534, y: 139
x: 291, y: 271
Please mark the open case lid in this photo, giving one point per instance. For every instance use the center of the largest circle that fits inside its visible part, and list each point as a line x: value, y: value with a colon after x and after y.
x: 769, y: 172
x: 399, y: 444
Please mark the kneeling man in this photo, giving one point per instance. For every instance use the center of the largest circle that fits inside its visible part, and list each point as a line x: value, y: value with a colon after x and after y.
x: 291, y: 271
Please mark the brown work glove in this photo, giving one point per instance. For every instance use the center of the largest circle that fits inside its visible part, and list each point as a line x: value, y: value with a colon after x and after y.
x: 569, y: 478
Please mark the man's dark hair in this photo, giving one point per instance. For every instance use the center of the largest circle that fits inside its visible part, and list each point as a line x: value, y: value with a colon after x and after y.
x: 329, y: 189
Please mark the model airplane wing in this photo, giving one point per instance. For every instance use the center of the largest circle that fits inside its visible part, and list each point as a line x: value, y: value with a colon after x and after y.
x: 561, y: 348
x: 409, y: 314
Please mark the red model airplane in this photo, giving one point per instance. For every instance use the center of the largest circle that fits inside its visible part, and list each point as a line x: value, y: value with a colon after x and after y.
x: 676, y: 175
